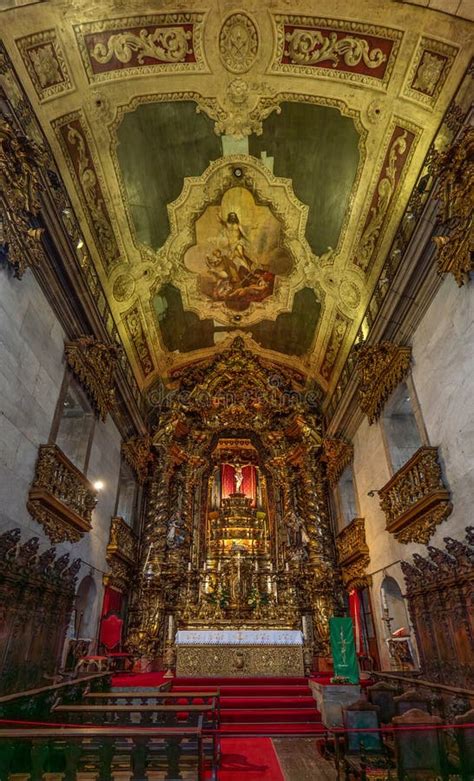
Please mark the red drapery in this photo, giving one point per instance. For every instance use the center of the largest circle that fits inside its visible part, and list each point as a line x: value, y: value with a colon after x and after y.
x: 112, y: 601
x: 249, y: 482
x: 355, y: 613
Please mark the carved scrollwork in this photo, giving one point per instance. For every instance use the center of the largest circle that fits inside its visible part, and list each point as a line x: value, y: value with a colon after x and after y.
x: 21, y: 163
x: 61, y: 498
x: 353, y: 554
x: 137, y: 452
x: 455, y: 243
x: 309, y: 47
x: 238, y: 43
x: 93, y: 363
x: 416, y: 500
x: 380, y: 368
x: 337, y: 454
x: 166, y: 44
x: 121, y: 554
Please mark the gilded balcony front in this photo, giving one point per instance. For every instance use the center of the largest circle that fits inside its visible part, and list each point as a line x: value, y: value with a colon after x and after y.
x: 416, y: 500
x: 121, y: 554
x: 353, y: 553
x: 61, y: 498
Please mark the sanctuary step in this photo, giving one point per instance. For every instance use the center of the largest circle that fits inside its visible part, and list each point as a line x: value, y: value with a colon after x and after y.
x: 260, y: 706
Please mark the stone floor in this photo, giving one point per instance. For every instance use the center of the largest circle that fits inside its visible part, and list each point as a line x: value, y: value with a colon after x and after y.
x: 300, y: 761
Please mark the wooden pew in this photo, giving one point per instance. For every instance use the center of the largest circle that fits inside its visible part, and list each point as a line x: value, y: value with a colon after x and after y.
x: 133, y: 697
x: 155, y: 715
x: 69, y: 750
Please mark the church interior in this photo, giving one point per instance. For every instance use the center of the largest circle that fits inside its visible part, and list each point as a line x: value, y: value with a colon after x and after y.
x: 237, y: 390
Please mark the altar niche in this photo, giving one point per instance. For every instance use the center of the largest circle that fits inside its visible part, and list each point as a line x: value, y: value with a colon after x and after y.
x: 237, y: 578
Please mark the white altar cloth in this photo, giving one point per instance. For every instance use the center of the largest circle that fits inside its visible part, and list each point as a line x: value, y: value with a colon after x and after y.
x: 239, y: 637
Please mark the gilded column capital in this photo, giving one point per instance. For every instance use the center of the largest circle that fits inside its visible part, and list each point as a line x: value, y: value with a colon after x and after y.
x: 337, y: 454
x: 138, y: 454
x: 21, y: 163
x: 381, y: 367
x: 93, y: 363
x: 456, y: 193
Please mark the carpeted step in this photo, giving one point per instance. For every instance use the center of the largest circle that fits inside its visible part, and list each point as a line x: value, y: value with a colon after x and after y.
x: 221, y: 680
x: 268, y: 702
x: 263, y: 715
x: 248, y: 691
x: 273, y: 728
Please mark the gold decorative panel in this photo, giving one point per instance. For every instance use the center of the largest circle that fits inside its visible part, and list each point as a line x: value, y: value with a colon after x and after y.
x: 121, y: 554
x: 93, y: 363
x: 381, y: 368
x: 138, y: 454
x: 45, y: 62
x: 337, y: 454
x: 239, y: 660
x: 61, y: 498
x: 416, y: 500
x: 429, y: 70
x: 353, y: 553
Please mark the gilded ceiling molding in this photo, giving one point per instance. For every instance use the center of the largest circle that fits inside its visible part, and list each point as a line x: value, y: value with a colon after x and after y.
x: 336, y: 48
x: 94, y: 363
x: 133, y: 323
x: 238, y: 42
x: 337, y: 454
x: 44, y: 59
x: 455, y: 190
x: 76, y: 143
x: 415, y: 500
x: 429, y: 70
x: 381, y: 368
x: 268, y: 191
x: 21, y: 165
x: 339, y: 331
x: 138, y: 454
x: 139, y: 45
x: 397, y: 159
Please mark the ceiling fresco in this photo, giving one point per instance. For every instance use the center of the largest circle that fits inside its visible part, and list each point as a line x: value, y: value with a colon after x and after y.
x: 237, y: 169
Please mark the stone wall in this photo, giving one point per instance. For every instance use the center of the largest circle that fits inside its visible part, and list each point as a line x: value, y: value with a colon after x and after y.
x: 443, y: 380
x: 31, y: 374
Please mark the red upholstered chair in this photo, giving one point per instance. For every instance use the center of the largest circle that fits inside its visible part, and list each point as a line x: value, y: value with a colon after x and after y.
x: 110, y: 641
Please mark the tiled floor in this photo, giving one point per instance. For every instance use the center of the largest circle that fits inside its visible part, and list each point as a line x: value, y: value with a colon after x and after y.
x: 300, y: 761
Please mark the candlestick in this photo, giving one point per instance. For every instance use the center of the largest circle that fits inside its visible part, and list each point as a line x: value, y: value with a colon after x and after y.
x: 170, y: 628
x: 189, y: 566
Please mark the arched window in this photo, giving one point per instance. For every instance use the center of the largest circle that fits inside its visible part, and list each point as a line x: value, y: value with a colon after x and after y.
x: 393, y: 606
x: 346, y: 498
x: 85, y: 608
x: 401, y: 427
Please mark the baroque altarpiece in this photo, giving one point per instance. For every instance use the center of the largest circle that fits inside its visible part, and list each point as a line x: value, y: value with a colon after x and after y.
x: 237, y: 531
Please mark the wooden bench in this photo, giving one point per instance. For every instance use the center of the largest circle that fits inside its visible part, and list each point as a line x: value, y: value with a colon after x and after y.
x: 68, y: 751
x: 134, y: 697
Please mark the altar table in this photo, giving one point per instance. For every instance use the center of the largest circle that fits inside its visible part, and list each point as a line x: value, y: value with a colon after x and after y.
x: 239, y: 653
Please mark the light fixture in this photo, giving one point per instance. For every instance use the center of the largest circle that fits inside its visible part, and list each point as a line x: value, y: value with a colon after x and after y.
x: 80, y: 244
x: 98, y: 485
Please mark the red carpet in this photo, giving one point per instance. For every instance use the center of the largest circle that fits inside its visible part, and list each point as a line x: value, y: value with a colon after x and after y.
x: 138, y: 680
x: 261, y: 706
x: 249, y: 760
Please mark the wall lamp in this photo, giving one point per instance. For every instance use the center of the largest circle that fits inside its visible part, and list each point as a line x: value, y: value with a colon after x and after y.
x: 372, y: 492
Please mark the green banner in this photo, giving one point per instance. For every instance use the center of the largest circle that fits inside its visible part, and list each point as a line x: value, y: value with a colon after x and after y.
x: 343, y: 648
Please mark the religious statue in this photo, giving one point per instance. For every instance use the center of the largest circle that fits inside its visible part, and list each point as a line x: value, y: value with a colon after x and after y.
x: 239, y: 478
x: 174, y: 537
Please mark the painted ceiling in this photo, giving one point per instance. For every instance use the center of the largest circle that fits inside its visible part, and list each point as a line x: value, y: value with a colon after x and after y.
x: 238, y: 169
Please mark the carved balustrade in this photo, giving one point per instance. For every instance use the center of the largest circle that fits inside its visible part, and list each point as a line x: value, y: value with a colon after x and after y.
x: 416, y: 500
x: 61, y: 498
x: 353, y: 554
x: 121, y: 554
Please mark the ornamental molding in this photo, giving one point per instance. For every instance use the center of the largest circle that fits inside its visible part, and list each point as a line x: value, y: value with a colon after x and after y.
x: 455, y: 190
x: 21, y: 183
x: 141, y: 45
x: 94, y: 363
x: 238, y: 42
x: 44, y: 59
x: 431, y: 65
x: 335, y: 48
x: 353, y: 554
x: 61, y: 498
x: 133, y: 323
x: 337, y: 453
x: 138, y: 454
x: 381, y: 368
x: 416, y: 500
x: 121, y: 554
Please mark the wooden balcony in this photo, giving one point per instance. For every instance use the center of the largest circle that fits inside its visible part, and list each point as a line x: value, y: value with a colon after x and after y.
x: 121, y: 554
x: 416, y: 500
x: 61, y: 498
x: 353, y: 554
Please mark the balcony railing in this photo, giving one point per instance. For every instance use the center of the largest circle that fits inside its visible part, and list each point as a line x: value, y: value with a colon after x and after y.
x: 416, y: 500
x: 61, y: 498
x: 353, y: 553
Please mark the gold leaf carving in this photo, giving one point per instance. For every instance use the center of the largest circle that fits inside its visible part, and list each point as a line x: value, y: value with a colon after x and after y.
x: 337, y: 454
x: 238, y: 43
x: 137, y: 453
x: 93, y: 363
x: 166, y: 44
x: 308, y: 47
x: 380, y: 368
